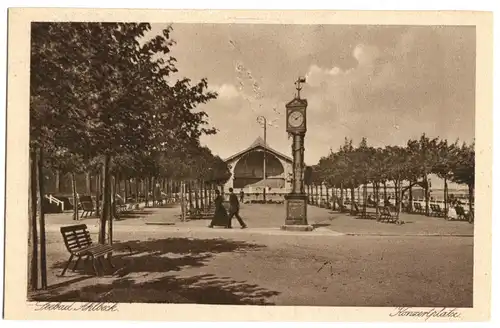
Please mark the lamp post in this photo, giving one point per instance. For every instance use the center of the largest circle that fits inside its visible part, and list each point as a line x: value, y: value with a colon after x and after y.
x: 262, y: 120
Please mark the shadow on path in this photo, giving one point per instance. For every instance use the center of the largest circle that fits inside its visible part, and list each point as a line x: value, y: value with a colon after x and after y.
x: 199, y: 289
x: 134, y: 214
x: 137, y: 279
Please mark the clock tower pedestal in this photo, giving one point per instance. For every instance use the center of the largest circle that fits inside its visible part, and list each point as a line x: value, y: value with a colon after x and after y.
x: 296, y: 213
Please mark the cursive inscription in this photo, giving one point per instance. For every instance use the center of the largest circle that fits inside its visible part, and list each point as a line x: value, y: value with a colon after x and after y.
x: 89, y: 307
x: 432, y: 313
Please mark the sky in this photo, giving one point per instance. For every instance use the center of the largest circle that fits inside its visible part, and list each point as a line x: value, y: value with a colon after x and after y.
x: 385, y: 83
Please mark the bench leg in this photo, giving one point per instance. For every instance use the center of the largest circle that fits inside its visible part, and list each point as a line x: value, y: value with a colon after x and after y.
x: 94, y: 266
x: 67, y: 265
x: 76, y: 263
x: 109, y: 260
x: 100, y: 260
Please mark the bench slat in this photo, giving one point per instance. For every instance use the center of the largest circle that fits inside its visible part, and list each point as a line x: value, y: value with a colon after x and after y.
x: 77, y: 234
x: 95, y: 250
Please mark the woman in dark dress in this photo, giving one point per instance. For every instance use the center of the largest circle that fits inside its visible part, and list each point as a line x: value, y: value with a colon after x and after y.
x: 221, y: 218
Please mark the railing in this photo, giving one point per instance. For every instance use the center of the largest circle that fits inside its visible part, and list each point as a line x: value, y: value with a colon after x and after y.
x: 52, y: 200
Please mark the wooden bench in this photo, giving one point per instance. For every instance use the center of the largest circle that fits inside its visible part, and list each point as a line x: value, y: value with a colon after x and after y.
x: 417, y: 207
x: 461, y: 215
x: 78, y: 243
x: 88, y: 209
x: 197, y: 213
x: 387, y: 216
x: 436, y: 210
x: 355, y: 210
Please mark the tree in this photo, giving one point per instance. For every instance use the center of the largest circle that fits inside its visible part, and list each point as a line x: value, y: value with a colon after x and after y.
x: 446, y: 160
x: 463, y: 171
x: 423, y: 153
x: 109, y: 88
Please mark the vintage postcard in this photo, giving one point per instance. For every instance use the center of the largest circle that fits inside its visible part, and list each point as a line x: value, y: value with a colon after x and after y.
x: 249, y: 165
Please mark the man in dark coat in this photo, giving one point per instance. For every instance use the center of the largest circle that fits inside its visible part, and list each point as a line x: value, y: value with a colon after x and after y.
x: 234, y: 209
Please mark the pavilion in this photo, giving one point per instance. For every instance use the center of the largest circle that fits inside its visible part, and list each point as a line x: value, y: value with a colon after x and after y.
x: 247, y: 169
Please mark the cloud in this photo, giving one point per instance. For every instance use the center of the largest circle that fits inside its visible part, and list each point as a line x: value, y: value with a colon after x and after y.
x: 365, y: 55
x: 387, y: 83
x: 227, y: 91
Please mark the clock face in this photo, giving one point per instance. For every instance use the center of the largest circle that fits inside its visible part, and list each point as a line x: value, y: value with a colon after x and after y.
x: 296, y: 119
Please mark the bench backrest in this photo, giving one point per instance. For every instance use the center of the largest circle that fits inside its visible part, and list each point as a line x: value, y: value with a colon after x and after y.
x: 76, y: 237
x: 385, y: 210
x: 87, y: 206
x: 460, y: 210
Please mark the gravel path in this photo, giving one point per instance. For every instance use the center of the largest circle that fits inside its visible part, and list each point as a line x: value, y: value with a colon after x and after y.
x: 203, y: 266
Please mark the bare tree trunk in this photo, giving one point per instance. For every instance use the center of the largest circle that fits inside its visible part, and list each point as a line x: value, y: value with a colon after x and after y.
x: 88, y: 183
x: 210, y: 193
x: 341, y: 197
x: 153, y: 188
x: 471, y: 198
x: 105, y: 215
x: 426, y: 184
x: 112, y: 206
x: 400, y: 196
x: 114, y: 191
x: 376, y: 196
x: 57, y: 188
x: 396, y: 193
x: 196, y: 195
x: 33, y: 230
x: 352, y: 198
x: 316, y: 197
x: 410, y: 196
x: 207, y: 203
x: 321, y: 195
x: 98, y: 194
x: 385, y: 192
x: 190, y: 196
x: 169, y: 188
x: 136, y: 190
x: 202, y: 201
x: 445, y: 197
x: 334, y: 198
x: 126, y: 183
x: 41, y: 218
x: 183, y: 201
x: 75, y: 197
x: 146, y: 193
x: 365, y: 196
x: 327, y: 198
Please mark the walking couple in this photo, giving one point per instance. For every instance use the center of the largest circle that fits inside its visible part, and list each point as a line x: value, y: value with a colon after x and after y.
x: 221, y: 217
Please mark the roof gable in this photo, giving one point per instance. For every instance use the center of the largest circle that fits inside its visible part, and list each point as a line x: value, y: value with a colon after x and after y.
x: 259, y: 143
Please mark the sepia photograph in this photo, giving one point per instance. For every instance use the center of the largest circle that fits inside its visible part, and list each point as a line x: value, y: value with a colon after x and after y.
x: 262, y: 164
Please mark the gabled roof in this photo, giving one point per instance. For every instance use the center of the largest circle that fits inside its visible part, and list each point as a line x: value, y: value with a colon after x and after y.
x: 259, y: 143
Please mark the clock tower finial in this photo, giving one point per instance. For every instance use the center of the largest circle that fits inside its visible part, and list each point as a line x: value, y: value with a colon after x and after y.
x: 299, y: 85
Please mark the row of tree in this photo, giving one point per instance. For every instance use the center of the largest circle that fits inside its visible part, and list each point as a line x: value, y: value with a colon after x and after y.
x: 103, y: 101
x: 353, y: 167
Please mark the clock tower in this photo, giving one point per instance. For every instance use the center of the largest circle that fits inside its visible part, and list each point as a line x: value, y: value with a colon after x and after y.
x: 296, y: 200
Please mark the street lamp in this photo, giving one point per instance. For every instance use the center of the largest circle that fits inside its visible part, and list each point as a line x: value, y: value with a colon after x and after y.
x: 262, y: 120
